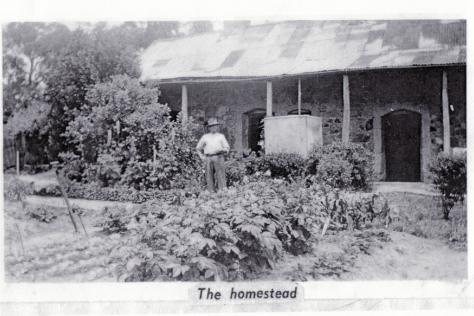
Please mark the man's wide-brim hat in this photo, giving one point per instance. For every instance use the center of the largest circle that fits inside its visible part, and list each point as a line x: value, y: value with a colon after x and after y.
x: 213, y: 121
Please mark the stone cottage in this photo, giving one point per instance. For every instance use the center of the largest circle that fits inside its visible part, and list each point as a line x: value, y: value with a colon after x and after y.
x: 398, y: 87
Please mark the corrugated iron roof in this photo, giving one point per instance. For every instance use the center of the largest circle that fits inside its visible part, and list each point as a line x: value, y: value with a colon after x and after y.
x: 299, y: 47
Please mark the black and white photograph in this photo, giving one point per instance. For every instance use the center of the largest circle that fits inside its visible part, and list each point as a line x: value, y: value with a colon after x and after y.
x: 235, y: 150
x: 221, y: 151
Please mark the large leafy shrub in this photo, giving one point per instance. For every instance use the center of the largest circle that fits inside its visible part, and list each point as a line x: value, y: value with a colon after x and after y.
x: 341, y: 165
x: 138, y: 123
x: 449, y: 177
x: 236, y: 171
x: 115, y: 219
x: 286, y: 166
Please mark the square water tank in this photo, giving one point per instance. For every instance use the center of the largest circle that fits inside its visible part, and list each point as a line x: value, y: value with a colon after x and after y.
x: 292, y: 134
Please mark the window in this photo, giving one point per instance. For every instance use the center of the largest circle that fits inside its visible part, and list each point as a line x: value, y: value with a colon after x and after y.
x: 303, y: 111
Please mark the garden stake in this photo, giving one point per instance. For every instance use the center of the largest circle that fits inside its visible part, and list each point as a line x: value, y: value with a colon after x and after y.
x: 154, y: 158
x: 17, y: 162
x: 83, y: 227
x: 21, y: 238
x: 326, y: 225
x: 64, y: 194
x: 109, y: 137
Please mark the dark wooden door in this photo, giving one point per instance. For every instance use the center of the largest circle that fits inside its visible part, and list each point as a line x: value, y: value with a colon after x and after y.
x: 401, y: 137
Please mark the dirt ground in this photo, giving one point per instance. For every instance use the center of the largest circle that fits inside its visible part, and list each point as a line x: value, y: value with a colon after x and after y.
x: 407, y: 257
x: 403, y: 257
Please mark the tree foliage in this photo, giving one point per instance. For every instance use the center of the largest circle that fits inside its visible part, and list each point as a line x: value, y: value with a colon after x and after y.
x: 450, y: 178
x: 138, y: 123
x: 29, y: 50
x: 53, y: 63
x: 86, y: 60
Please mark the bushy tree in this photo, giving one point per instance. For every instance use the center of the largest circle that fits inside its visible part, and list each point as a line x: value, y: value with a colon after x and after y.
x: 450, y: 178
x: 87, y: 59
x: 138, y: 123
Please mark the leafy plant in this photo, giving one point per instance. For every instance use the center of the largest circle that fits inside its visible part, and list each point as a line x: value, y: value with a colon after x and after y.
x: 449, y: 177
x: 341, y: 165
x: 108, y: 169
x: 17, y: 190
x: 286, y: 166
x: 236, y: 171
x: 73, y: 166
x: 147, y: 149
x: 42, y: 214
x: 115, y: 220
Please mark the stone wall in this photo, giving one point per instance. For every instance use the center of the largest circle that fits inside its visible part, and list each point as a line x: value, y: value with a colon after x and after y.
x: 229, y: 101
x: 371, y: 92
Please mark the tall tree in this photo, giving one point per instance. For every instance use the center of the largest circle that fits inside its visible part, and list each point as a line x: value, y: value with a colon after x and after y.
x: 28, y: 49
x: 87, y: 59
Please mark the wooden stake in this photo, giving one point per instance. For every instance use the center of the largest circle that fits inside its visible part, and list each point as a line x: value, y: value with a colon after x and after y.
x: 109, y: 137
x: 17, y: 162
x: 83, y: 227
x: 184, y: 103
x: 346, y: 116
x: 68, y: 205
x: 299, y: 96
x: 326, y: 225
x: 154, y: 158
x: 21, y: 238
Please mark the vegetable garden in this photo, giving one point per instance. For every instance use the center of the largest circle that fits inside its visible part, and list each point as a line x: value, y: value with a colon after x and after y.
x: 268, y: 224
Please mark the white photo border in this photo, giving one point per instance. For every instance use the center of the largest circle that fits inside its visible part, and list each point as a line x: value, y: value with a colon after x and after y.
x: 175, y: 296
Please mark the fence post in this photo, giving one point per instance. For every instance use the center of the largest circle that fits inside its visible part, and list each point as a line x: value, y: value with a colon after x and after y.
x: 299, y: 96
x: 346, y: 116
x: 17, y: 162
x: 154, y: 158
x: 109, y: 137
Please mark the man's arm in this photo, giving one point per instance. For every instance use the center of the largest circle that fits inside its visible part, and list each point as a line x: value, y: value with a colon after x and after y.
x: 200, y: 148
x: 225, y: 144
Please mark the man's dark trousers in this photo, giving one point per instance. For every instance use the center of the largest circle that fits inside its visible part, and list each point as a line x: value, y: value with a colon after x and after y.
x: 215, y: 172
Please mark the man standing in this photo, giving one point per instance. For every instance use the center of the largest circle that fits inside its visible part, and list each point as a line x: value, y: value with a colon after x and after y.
x: 211, y: 148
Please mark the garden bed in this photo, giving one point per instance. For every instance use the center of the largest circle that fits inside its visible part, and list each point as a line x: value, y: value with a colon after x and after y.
x: 53, y: 253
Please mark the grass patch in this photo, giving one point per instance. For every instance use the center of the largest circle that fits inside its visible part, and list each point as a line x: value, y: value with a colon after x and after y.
x: 422, y: 216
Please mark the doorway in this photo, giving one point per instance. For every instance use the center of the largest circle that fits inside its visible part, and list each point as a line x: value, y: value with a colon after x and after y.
x: 253, y: 128
x: 401, y: 141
